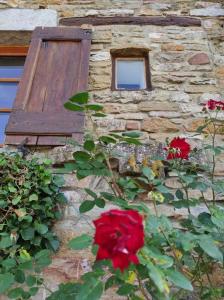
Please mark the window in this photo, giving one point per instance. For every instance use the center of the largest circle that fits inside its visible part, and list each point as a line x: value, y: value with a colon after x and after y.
x: 130, y: 70
x: 12, y: 59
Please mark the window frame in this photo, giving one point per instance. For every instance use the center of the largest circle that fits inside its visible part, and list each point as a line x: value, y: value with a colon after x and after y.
x: 134, y: 55
x: 11, y: 51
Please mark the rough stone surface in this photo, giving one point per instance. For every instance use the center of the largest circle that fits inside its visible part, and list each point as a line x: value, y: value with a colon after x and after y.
x: 210, y: 11
x: 186, y: 68
x: 158, y: 125
x: 199, y: 59
x: 26, y: 19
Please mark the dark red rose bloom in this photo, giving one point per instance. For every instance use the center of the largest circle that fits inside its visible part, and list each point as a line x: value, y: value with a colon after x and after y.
x: 213, y: 105
x: 119, y: 234
x: 178, y: 148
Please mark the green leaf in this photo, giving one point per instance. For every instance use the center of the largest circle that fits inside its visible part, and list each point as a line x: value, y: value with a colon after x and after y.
x: 157, y: 277
x: 73, y: 106
x: 33, y: 291
x: 19, y: 276
x: 31, y: 280
x: 94, y: 107
x: 86, y: 206
x: 100, y: 202
x: 33, y: 197
x: 147, y: 172
x: 210, y: 248
x: 67, y: 291
x: 41, y: 228
x: 131, y: 141
x: 179, y: 279
x: 89, y: 145
x: 81, y: 242
x: 179, y: 194
x: 91, y: 193
x: 8, y: 263
x: 132, y: 134
x: 27, y: 234
x: 6, y: 280
x: 16, y: 200
x: 5, y: 242
x: 107, y: 139
x: 126, y: 289
x: 58, y: 181
x: 81, y: 156
x: 99, y: 115
x: 43, y: 258
x: 80, y: 98
x: 90, y: 290
x: 17, y: 293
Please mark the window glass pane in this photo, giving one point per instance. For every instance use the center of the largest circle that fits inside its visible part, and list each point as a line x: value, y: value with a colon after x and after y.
x: 11, y: 67
x: 3, y: 122
x: 7, y: 93
x: 130, y: 74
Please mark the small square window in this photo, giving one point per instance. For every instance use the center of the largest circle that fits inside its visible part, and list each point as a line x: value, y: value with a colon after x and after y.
x: 130, y: 72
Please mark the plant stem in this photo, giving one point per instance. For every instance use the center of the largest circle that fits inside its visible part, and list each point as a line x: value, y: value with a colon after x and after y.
x: 142, y: 289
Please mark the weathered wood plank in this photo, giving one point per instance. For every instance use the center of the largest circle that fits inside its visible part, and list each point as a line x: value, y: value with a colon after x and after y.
x: 45, y: 123
x: 142, y: 20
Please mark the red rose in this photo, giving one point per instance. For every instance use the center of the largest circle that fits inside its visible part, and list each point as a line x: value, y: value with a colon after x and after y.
x: 178, y: 148
x: 213, y: 105
x: 119, y: 234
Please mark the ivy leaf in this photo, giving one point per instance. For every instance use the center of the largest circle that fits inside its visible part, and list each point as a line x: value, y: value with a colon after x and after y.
x: 81, y: 242
x: 33, y: 197
x: 6, y: 280
x: 41, y: 228
x: 86, y: 206
x: 5, y: 242
x: 179, y: 279
x: 80, y: 98
x: 27, y: 234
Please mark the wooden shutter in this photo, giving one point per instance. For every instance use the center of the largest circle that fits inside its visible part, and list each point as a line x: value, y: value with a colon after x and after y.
x: 56, y: 68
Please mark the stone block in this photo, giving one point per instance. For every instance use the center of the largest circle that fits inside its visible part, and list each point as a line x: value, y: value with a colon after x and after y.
x: 172, y: 47
x: 133, y: 125
x: 199, y: 59
x: 159, y: 125
x: 210, y: 11
x: 26, y: 19
x: 158, y: 106
x: 220, y: 72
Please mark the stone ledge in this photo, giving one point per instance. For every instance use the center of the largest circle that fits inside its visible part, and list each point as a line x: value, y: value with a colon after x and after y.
x: 26, y: 19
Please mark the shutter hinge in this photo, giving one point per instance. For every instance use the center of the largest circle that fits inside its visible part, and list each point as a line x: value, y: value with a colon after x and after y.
x: 45, y: 44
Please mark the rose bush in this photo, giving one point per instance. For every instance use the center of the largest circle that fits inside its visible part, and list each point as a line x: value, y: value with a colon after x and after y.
x: 140, y: 252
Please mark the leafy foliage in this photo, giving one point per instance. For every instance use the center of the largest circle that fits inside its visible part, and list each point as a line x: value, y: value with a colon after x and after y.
x: 174, y: 262
x: 29, y: 195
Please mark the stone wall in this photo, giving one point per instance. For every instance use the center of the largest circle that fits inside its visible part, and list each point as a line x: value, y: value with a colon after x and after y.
x: 187, y: 69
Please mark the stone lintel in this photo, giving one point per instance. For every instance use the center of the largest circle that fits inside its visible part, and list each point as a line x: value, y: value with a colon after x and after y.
x: 14, y: 19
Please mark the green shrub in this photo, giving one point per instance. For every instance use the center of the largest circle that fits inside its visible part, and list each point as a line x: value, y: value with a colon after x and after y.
x: 29, y: 199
